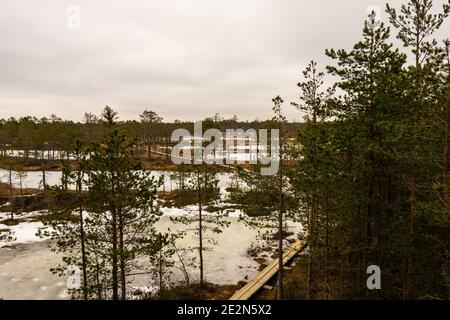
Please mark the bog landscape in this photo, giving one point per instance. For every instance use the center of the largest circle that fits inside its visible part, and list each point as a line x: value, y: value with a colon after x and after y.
x: 334, y: 186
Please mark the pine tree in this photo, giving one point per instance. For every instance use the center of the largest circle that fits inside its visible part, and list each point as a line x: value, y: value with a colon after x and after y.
x: 371, y: 80
x: 101, y: 227
x: 148, y: 120
x: 21, y: 174
x: 415, y: 24
x: 81, y: 154
x: 204, y: 183
x: 12, y: 207
x: 264, y: 199
x: 312, y: 103
x: 280, y: 120
x: 122, y: 196
x: 161, y: 253
x: 72, y: 229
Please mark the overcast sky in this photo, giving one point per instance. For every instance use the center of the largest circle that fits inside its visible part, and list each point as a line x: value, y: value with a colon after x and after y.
x: 184, y: 59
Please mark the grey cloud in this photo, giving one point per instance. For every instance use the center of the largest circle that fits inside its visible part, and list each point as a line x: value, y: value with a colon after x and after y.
x: 184, y: 59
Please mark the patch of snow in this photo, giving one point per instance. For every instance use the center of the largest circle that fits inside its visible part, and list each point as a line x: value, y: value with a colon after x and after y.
x: 24, y: 215
x: 173, y: 211
x: 5, y: 215
x: 24, y: 232
x: 33, y: 179
x: 142, y: 289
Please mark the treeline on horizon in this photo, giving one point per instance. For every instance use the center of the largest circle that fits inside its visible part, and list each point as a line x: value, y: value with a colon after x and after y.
x: 56, y: 134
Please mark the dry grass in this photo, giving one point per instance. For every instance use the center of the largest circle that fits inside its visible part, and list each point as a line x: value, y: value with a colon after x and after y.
x: 196, y: 292
x: 4, y: 191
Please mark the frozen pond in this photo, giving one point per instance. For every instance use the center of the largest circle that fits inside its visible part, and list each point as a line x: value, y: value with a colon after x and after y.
x: 24, y: 267
x: 25, y: 274
x: 242, y: 153
x: 25, y: 263
x: 33, y: 179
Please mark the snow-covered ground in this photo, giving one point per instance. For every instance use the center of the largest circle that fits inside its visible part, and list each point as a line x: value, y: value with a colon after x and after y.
x: 25, y: 273
x: 24, y: 232
x: 33, y: 179
x: 233, y: 153
x: 25, y: 263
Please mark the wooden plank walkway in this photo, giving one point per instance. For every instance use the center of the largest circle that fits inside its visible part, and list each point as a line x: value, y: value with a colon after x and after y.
x: 265, y: 275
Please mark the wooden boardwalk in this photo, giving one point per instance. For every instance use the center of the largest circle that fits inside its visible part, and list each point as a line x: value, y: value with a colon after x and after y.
x: 265, y: 275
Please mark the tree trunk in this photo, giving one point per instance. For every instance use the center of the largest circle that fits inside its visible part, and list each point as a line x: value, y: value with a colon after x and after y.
x: 122, y: 259
x: 313, y: 208
x: 183, y: 266
x: 160, y: 271
x: 82, y: 240
x: 44, y: 180
x: 99, y: 286
x: 413, y: 210
x: 446, y: 163
x: 115, y: 282
x: 280, y: 221
x: 83, y: 255
x: 22, y: 200
x: 166, y: 147
x: 327, y: 242
x: 309, y: 267
x: 280, y: 256
x: 370, y: 200
x: 200, y: 228
x: 11, y: 191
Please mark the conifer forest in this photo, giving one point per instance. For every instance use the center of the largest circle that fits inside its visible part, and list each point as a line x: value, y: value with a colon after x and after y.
x: 231, y: 153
